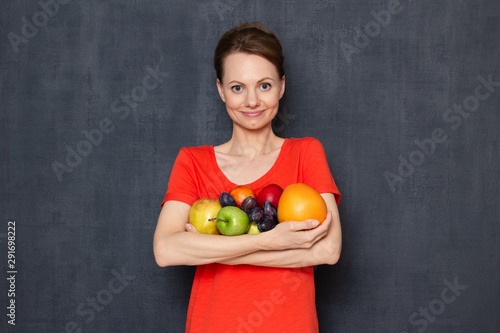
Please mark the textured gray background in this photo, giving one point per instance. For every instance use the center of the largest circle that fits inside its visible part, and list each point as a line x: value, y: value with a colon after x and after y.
x: 440, y: 222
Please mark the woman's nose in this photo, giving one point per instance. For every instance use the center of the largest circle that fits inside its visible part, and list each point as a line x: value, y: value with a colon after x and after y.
x: 252, y: 99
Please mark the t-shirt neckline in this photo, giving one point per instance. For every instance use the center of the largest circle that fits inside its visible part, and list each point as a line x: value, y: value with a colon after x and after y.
x: 221, y: 174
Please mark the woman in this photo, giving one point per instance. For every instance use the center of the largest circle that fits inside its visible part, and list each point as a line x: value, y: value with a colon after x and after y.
x: 262, y: 282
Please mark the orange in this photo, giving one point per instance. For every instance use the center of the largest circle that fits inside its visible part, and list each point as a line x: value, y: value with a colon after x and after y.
x: 300, y: 202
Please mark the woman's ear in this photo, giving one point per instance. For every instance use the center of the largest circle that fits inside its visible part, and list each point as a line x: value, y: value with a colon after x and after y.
x: 282, y: 90
x: 221, y: 91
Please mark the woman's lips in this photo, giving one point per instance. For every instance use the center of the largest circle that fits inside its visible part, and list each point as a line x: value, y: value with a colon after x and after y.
x: 253, y: 114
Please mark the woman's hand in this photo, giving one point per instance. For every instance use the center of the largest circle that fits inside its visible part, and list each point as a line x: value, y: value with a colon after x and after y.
x: 297, y: 235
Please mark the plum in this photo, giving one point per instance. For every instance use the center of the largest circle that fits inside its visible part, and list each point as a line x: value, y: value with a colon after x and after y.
x: 256, y: 215
x: 270, y: 210
x: 226, y: 199
x: 268, y: 223
x: 248, y: 204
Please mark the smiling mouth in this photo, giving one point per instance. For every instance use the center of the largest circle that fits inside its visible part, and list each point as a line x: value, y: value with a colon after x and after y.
x: 253, y: 113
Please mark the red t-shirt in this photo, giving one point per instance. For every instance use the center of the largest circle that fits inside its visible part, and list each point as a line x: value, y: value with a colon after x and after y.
x: 249, y: 298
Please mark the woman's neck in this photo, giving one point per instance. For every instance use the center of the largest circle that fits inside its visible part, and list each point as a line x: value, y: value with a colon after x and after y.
x: 252, y: 143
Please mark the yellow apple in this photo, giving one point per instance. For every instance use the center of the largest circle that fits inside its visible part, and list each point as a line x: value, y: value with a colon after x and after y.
x: 254, y: 229
x: 203, y: 215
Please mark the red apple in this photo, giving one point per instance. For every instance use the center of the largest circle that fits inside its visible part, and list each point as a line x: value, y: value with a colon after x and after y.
x: 271, y: 193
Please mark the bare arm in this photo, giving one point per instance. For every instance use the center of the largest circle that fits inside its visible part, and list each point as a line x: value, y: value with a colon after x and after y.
x: 172, y: 245
x: 325, y: 251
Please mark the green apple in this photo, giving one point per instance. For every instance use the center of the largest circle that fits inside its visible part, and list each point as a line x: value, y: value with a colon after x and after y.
x: 254, y: 229
x: 203, y: 215
x: 232, y: 221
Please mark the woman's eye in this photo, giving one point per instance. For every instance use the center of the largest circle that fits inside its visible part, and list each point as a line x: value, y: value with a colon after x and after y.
x: 236, y: 88
x: 266, y: 86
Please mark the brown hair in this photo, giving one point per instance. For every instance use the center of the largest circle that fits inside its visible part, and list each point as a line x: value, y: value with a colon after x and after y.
x: 251, y: 38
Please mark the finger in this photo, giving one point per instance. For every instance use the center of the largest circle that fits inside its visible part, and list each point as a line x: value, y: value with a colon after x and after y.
x: 190, y: 228
x: 322, y: 230
x: 305, y: 225
x: 311, y: 223
x: 328, y: 216
x: 327, y: 220
x: 319, y: 235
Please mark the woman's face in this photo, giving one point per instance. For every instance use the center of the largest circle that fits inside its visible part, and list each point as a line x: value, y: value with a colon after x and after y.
x: 251, y: 88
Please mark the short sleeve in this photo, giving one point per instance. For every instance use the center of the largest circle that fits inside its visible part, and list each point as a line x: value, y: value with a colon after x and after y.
x: 182, y: 184
x: 316, y: 172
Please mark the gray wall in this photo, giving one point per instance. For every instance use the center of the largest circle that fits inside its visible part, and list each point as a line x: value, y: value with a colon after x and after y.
x: 418, y: 216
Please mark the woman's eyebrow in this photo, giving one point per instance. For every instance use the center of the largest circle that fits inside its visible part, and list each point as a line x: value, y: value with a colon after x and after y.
x: 263, y: 79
